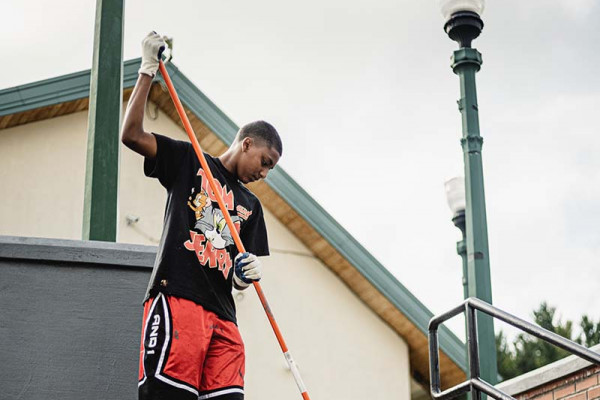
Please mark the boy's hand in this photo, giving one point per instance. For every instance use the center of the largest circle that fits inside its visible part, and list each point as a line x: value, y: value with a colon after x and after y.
x: 152, y: 47
x: 247, y: 269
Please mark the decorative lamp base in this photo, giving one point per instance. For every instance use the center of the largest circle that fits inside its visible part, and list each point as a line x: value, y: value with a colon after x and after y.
x: 463, y: 27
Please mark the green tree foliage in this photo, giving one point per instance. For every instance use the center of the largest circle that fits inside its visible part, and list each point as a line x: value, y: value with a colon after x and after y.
x: 527, y: 352
x: 591, y: 332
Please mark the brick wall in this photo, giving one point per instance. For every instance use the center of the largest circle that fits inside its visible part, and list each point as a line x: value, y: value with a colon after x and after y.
x: 581, y: 385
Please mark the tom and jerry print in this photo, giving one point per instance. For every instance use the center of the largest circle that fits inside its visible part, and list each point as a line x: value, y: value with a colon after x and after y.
x: 211, y: 235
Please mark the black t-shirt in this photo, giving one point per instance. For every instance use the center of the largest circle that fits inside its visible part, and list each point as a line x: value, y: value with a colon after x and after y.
x: 196, y: 250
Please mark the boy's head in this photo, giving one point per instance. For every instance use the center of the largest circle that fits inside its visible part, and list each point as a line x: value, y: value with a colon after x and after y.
x: 259, y: 150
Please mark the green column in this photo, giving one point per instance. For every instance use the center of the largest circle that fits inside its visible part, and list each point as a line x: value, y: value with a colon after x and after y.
x: 104, y: 122
x: 465, y: 63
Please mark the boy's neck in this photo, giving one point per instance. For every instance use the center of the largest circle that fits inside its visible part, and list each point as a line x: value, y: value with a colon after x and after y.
x: 229, y: 160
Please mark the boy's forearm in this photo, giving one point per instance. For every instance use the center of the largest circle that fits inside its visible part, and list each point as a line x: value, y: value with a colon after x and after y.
x: 133, y: 134
x: 133, y: 122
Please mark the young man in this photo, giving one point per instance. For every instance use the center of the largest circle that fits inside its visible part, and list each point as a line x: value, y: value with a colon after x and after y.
x: 191, y: 347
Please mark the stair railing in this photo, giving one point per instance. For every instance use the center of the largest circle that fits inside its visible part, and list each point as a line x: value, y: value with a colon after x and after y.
x: 475, y: 384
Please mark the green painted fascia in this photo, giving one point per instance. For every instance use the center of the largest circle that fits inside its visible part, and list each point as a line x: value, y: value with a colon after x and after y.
x: 76, y: 86
x: 56, y: 90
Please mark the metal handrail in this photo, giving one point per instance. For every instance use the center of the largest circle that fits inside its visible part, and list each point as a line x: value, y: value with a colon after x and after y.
x: 475, y: 384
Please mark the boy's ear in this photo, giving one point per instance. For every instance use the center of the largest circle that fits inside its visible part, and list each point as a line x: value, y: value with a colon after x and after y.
x: 246, y: 143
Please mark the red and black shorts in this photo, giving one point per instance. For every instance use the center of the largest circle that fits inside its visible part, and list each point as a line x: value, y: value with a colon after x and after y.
x: 189, y: 353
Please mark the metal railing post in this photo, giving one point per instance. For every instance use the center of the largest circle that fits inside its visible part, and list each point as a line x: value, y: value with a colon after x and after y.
x: 473, y: 347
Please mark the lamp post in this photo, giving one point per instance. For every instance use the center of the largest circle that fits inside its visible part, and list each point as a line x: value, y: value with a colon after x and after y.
x: 463, y: 25
x: 455, y: 194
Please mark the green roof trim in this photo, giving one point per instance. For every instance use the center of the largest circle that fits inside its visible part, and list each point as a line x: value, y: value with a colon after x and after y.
x: 77, y: 85
x: 57, y: 90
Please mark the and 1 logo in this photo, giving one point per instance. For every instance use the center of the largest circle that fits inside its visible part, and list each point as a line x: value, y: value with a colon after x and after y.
x: 153, y: 334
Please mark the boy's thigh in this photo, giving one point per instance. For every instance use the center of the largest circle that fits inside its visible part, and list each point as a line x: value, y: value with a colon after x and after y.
x: 224, y: 364
x: 175, y: 340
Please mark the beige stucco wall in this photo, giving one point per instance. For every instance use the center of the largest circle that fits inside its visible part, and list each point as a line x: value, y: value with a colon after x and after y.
x: 42, y: 174
x: 343, y: 349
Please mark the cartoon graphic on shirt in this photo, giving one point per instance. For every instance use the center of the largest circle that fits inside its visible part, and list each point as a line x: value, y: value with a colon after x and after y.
x: 200, y: 202
x: 211, y: 234
x: 210, y: 220
x: 220, y: 236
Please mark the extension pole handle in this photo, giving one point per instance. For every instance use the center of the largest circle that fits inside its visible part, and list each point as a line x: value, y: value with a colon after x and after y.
x: 236, y: 237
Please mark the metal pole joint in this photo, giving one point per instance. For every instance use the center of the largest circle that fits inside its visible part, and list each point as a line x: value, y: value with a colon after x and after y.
x: 472, y: 144
x: 466, y: 57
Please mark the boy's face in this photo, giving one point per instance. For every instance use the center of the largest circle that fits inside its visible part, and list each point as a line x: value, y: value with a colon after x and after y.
x: 256, y: 160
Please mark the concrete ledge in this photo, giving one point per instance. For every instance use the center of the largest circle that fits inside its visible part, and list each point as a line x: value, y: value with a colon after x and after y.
x: 545, y: 374
x: 77, y: 251
x: 71, y: 318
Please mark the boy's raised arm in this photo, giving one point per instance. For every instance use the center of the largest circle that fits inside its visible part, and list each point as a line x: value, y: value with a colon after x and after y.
x: 132, y: 133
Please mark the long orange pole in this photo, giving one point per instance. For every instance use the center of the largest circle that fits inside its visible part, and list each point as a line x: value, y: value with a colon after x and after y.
x: 236, y: 237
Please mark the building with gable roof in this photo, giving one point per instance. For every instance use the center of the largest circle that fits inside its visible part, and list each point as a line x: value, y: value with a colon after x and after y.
x: 354, y: 329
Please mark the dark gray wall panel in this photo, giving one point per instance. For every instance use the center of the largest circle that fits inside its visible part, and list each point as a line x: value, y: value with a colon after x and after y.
x: 69, y: 330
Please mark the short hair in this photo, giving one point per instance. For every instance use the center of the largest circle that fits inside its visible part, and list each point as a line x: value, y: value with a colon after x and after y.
x: 264, y: 131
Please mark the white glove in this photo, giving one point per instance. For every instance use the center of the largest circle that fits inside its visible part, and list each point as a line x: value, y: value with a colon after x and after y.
x: 247, y: 269
x: 152, y: 47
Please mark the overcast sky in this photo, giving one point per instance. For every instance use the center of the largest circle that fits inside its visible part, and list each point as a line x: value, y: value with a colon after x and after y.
x: 365, y: 100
